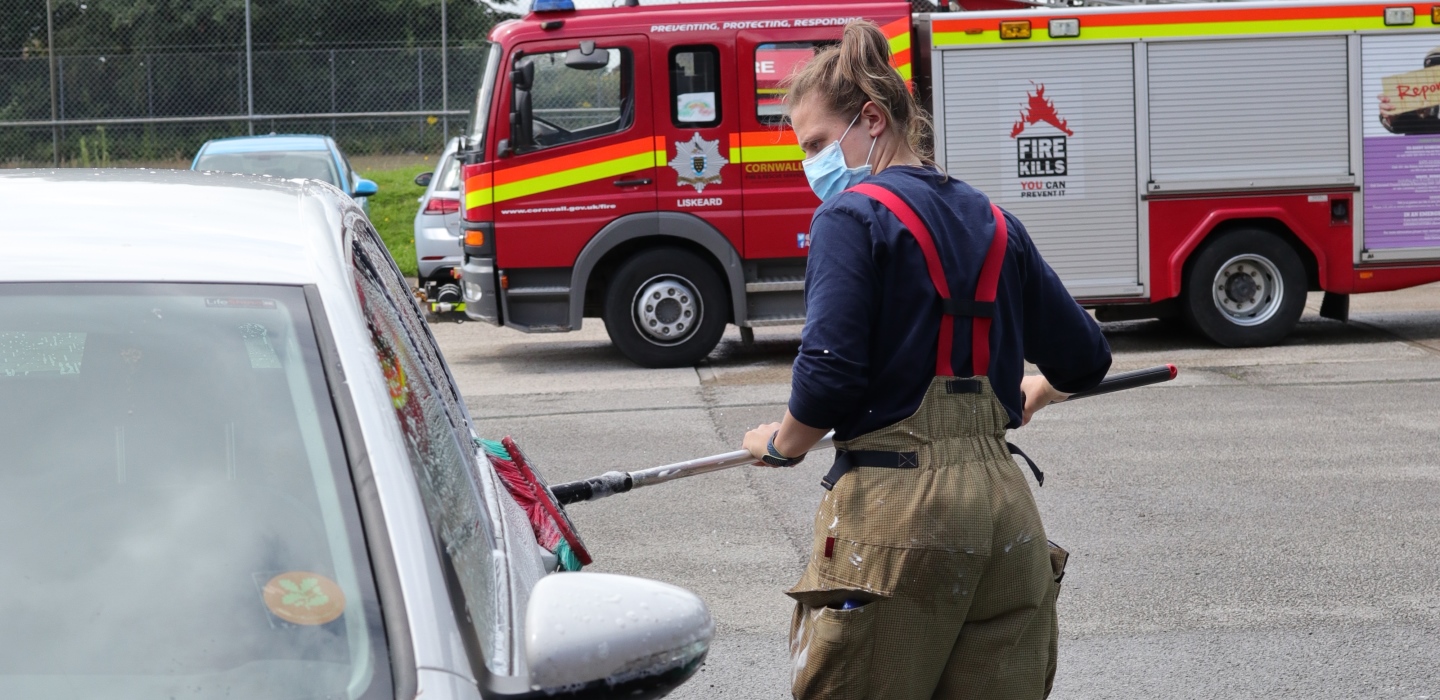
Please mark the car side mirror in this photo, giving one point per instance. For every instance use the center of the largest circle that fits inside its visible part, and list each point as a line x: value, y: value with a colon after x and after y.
x: 423, y: 179
x: 365, y: 188
x: 624, y: 635
x: 523, y: 77
x: 522, y: 117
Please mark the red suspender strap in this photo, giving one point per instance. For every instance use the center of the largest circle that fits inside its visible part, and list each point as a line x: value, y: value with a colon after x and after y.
x: 911, y: 221
x: 985, y: 290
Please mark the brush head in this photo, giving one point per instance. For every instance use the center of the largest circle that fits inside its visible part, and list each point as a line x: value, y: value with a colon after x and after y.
x: 552, y: 527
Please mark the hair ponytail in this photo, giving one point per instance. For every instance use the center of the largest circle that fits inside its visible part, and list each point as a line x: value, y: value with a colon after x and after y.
x: 857, y: 71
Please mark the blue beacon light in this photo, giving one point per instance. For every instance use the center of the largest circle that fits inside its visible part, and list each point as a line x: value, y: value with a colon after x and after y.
x: 553, y: 6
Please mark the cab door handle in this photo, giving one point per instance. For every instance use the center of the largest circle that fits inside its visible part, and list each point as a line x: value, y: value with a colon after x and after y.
x: 633, y: 183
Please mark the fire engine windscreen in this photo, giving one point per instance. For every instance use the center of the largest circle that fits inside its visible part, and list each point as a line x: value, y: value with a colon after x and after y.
x: 480, y: 111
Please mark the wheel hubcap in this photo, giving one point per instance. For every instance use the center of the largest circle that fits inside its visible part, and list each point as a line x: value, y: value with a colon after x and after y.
x: 667, y: 310
x: 1248, y: 289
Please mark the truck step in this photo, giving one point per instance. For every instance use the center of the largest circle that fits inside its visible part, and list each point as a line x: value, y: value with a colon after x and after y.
x: 776, y: 284
x: 775, y: 321
x: 538, y: 291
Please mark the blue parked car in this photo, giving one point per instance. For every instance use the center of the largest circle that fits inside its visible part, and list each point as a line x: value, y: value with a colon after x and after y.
x: 288, y: 156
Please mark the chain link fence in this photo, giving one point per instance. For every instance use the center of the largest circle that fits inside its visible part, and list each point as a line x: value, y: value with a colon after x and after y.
x: 100, y: 82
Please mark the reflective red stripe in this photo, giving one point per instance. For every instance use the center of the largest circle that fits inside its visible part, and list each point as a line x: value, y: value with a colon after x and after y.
x: 985, y: 286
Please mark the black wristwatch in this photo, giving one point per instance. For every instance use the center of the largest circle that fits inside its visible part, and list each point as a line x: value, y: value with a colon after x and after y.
x: 773, y: 457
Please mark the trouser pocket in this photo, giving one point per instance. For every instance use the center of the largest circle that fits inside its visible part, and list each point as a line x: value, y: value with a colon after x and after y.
x: 1058, y: 558
x: 831, y: 651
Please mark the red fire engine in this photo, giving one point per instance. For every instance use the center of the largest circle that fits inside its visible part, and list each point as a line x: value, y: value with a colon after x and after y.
x: 1211, y: 161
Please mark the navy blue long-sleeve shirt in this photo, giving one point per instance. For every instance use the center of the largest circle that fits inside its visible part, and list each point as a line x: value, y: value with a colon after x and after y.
x: 867, y: 353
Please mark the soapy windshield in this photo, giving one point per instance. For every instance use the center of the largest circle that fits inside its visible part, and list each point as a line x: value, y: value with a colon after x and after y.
x: 176, y: 513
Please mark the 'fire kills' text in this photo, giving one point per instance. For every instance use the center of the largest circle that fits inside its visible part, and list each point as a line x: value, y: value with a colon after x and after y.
x: 1039, y: 156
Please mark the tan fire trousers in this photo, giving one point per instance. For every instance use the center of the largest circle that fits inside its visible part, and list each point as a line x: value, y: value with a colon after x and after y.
x: 950, y: 557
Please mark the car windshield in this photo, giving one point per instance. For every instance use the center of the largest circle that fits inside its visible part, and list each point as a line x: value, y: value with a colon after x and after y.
x: 178, y: 513
x: 313, y: 165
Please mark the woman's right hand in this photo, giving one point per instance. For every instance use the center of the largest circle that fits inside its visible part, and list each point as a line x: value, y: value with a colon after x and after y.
x: 757, y: 441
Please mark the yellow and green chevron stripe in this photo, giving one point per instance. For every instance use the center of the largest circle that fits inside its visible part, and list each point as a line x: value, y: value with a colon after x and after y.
x: 564, y: 171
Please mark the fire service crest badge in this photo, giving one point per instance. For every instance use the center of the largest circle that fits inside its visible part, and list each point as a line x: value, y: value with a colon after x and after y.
x: 698, y: 162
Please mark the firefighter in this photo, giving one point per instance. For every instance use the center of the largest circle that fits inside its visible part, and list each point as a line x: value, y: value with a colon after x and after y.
x: 1421, y: 121
x: 930, y: 573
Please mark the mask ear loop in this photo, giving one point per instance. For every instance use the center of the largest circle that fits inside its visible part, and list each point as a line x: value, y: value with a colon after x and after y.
x: 848, y: 128
x: 873, y: 140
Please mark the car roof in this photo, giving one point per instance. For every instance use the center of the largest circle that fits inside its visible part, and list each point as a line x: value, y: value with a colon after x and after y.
x: 169, y: 226
x: 271, y: 142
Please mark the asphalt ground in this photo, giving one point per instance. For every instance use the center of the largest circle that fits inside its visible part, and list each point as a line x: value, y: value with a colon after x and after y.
x: 1265, y: 526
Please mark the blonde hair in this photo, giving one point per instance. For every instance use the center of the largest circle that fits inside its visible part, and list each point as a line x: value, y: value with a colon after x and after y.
x: 844, y: 77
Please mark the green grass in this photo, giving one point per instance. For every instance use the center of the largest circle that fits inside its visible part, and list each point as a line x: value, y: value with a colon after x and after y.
x: 392, y: 210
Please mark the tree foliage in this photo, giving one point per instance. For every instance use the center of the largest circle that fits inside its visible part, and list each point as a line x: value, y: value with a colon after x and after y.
x: 144, y: 26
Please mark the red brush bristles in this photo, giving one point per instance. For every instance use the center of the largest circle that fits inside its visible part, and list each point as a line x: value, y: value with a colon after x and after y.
x: 525, y: 494
x: 557, y: 518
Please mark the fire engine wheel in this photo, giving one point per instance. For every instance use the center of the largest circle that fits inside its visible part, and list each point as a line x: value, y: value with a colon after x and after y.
x: 1246, y: 289
x: 666, y: 308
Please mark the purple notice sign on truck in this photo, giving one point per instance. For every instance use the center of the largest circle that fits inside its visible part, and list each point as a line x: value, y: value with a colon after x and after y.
x: 1402, y: 192
x: 1401, y: 146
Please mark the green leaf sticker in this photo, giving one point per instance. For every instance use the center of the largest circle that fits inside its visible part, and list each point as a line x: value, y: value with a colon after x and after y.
x: 304, y: 598
x: 306, y: 595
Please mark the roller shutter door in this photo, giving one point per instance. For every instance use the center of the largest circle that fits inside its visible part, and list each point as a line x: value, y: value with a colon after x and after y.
x: 1224, y: 113
x: 1048, y: 133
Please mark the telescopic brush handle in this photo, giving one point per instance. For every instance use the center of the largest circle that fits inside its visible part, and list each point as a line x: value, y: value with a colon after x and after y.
x: 611, y: 483
x: 1129, y: 380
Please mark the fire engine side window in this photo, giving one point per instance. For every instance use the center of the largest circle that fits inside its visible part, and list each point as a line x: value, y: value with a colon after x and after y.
x: 574, y: 104
x: 773, y: 64
x: 695, y: 86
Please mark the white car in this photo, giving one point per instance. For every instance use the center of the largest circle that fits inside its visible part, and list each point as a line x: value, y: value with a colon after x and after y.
x: 437, y: 228
x: 235, y: 465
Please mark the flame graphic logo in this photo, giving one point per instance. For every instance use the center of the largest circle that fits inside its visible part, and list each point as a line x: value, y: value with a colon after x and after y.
x: 1038, y: 109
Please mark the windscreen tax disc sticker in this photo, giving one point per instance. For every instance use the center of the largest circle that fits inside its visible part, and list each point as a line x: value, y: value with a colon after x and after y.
x: 304, y: 598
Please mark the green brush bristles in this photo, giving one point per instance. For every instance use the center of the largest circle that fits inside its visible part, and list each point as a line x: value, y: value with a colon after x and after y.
x: 495, y: 448
x: 568, y: 560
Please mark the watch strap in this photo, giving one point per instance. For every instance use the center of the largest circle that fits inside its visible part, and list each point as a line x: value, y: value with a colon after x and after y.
x: 773, y: 457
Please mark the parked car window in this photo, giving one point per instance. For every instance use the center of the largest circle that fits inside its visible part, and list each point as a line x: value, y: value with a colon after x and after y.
x: 192, y: 524
x: 449, y: 179
x: 572, y: 105
x: 437, y: 440
x: 314, y: 165
x: 773, y: 64
x: 695, y: 86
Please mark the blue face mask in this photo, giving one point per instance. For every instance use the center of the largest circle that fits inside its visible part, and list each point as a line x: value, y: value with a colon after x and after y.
x: 827, y: 171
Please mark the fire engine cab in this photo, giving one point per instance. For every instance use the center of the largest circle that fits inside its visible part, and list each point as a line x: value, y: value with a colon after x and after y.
x: 1213, y: 161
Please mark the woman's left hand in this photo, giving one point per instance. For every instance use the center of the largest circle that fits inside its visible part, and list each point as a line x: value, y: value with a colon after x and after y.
x: 1038, y: 394
x: 758, y: 440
